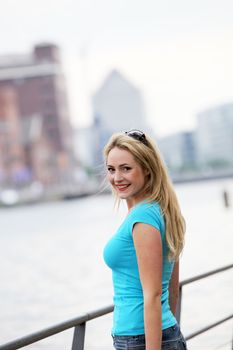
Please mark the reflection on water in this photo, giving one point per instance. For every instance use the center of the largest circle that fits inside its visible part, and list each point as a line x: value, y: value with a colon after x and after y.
x: 52, y: 267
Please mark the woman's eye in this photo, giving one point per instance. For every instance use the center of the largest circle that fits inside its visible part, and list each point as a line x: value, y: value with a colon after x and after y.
x: 126, y: 168
x: 110, y: 170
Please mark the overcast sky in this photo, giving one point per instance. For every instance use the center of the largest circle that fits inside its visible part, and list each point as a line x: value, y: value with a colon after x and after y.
x: 178, y: 53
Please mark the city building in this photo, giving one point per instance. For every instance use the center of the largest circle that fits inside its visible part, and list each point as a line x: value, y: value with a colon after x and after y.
x: 32, y: 89
x: 215, y: 136
x: 117, y: 106
x: 12, y: 156
x: 178, y: 151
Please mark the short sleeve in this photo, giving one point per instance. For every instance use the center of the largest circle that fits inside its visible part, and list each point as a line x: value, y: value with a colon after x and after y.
x: 147, y: 213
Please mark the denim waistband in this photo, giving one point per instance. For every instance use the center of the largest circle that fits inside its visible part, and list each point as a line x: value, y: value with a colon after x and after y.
x: 171, y: 333
x: 126, y: 337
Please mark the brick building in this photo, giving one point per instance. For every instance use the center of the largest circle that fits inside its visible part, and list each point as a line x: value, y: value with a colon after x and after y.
x: 12, y: 158
x: 33, y: 101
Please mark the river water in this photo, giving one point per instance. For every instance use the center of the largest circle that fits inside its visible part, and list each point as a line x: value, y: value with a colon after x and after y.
x: 51, y: 266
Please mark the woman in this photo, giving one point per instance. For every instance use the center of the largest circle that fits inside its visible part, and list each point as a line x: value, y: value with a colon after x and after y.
x: 144, y: 252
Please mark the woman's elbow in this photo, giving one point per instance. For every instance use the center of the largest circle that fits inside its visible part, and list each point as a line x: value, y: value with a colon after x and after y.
x: 152, y: 296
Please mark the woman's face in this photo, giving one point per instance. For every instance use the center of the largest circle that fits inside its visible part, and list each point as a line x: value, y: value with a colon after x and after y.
x: 126, y: 176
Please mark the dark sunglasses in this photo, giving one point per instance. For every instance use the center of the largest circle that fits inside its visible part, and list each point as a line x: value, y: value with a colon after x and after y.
x: 137, y: 135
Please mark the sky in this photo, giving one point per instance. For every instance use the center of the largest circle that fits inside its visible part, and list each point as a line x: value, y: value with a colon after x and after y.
x: 179, y: 54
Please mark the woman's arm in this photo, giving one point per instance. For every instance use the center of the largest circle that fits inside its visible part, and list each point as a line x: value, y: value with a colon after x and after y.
x: 148, y: 245
x: 174, y: 288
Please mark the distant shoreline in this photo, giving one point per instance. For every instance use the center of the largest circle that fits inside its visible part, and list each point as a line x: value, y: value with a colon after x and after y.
x: 76, y: 194
x: 199, y: 178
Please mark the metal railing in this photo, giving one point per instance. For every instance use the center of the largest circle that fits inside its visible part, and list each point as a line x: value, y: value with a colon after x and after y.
x: 79, y: 323
x: 192, y: 280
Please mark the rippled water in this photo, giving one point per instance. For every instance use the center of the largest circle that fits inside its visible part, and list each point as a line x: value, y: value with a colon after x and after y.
x: 51, y: 266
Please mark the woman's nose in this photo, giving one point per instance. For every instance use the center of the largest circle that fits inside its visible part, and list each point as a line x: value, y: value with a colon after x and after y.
x: 118, y: 176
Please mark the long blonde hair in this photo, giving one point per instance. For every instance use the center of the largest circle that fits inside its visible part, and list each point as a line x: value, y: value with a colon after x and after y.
x: 158, y: 186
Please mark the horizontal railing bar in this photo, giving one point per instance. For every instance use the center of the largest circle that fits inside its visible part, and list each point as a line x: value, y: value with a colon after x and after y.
x: 45, y: 333
x: 204, y: 275
x: 34, y: 337
x: 192, y: 335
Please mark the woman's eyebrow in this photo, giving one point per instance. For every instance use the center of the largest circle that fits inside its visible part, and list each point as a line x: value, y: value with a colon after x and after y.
x: 121, y: 165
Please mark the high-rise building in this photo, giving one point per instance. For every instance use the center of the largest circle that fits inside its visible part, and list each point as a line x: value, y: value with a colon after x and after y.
x: 215, y: 135
x: 37, y: 83
x: 117, y: 106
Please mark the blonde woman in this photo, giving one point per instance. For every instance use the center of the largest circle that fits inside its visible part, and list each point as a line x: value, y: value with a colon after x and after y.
x: 144, y: 252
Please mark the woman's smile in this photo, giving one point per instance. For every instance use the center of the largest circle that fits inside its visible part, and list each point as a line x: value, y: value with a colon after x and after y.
x: 121, y: 187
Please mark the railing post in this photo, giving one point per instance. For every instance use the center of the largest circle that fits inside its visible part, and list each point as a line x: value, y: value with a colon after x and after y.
x: 178, y: 311
x: 79, y: 336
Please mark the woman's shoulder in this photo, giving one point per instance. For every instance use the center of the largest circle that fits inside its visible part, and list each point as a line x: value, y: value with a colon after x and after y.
x: 147, y: 205
x: 151, y: 208
x: 149, y: 213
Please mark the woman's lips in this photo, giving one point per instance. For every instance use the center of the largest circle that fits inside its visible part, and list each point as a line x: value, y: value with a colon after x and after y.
x: 122, y: 187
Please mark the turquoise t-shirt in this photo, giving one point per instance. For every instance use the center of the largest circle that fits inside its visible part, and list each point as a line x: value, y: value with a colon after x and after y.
x: 120, y: 256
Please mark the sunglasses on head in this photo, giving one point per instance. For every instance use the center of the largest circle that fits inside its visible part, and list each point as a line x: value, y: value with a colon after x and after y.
x: 137, y: 135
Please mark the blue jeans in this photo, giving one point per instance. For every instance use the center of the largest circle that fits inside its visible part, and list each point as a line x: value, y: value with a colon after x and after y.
x: 172, y: 339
